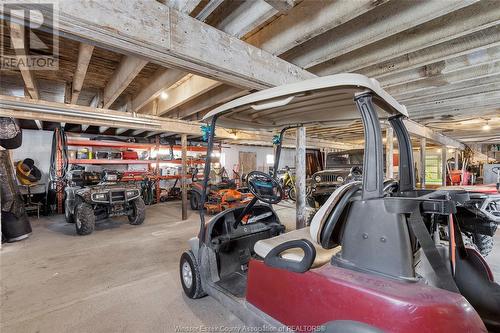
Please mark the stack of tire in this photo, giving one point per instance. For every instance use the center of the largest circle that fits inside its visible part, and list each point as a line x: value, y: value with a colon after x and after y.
x: 15, y: 223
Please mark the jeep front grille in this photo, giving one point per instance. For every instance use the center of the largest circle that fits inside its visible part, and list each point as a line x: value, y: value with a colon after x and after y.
x: 328, y: 178
x: 118, y: 196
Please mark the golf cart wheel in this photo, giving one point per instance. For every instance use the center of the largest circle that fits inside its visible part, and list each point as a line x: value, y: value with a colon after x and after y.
x: 484, y: 243
x: 195, y: 200
x: 84, y: 219
x: 190, y: 276
x: 291, y: 194
x: 138, y: 212
x: 70, y: 218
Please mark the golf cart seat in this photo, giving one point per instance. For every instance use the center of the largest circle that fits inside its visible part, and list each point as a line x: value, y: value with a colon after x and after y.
x: 315, y: 233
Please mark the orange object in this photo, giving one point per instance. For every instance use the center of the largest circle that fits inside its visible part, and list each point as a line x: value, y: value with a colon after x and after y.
x: 227, y: 198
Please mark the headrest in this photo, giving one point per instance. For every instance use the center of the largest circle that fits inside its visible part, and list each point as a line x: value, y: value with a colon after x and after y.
x: 321, y: 216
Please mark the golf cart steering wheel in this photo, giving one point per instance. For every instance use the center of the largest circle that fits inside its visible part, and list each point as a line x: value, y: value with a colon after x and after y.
x: 264, y: 187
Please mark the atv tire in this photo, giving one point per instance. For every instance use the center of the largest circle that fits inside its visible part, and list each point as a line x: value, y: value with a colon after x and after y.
x: 84, y: 219
x: 70, y: 218
x: 139, y: 212
x: 484, y: 243
x: 195, y: 200
x: 190, y: 276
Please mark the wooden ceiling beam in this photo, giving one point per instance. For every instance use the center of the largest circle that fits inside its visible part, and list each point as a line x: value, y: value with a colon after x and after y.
x: 161, y: 81
x: 441, y: 80
x: 179, y: 41
x: 17, y: 36
x: 384, y: 21
x: 208, y: 100
x: 459, y: 63
x: 282, y: 6
x: 84, y: 55
x: 246, y: 17
x: 127, y: 70
x: 401, y: 51
x: 184, y: 92
x: 209, y: 8
x: 307, y: 20
x: 184, y: 6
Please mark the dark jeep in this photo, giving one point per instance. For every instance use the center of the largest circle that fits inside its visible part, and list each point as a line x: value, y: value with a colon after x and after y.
x: 84, y: 205
x: 340, y: 167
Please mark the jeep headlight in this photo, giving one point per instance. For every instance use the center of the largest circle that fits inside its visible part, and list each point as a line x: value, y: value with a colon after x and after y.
x: 317, y: 178
x: 100, y: 196
x: 340, y: 179
x: 132, y: 193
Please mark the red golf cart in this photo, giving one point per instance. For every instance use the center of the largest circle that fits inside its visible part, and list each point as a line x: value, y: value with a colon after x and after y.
x: 371, y: 261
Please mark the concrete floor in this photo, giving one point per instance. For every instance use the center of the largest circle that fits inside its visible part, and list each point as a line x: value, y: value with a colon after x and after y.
x: 122, y: 278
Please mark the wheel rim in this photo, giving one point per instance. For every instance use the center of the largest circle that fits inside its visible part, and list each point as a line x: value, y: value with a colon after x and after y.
x: 187, y: 275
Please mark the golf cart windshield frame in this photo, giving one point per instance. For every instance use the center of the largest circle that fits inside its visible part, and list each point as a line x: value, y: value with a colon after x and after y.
x: 373, y: 175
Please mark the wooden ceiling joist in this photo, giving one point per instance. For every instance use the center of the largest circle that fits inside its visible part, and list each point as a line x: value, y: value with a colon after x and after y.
x: 17, y: 36
x: 162, y: 80
x: 179, y: 41
x: 246, y: 17
x: 307, y: 20
x: 127, y: 70
x: 184, y: 6
x: 399, y: 47
x: 84, y: 55
x: 184, y: 92
x: 397, y: 16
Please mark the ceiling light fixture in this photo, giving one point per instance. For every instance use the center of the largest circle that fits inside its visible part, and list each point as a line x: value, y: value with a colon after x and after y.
x: 486, y: 126
x: 164, y: 95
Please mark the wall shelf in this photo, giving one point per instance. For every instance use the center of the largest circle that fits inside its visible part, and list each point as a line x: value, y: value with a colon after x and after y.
x: 128, y: 145
x: 106, y: 161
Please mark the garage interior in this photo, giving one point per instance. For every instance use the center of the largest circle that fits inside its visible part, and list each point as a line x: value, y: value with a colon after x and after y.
x: 114, y: 93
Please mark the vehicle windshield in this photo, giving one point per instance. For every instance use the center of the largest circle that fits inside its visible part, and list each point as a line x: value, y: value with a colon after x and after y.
x: 344, y: 159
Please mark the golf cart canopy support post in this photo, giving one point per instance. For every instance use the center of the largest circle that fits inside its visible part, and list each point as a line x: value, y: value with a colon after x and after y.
x: 373, y: 177
x: 279, y: 146
x: 406, y: 171
x: 206, y: 176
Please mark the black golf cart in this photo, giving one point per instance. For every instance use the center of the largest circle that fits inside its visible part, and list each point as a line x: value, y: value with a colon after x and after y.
x: 370, y: 261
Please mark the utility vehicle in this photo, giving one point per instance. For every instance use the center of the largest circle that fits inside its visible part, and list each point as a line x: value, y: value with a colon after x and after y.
x: 84, y: 205
x: 340, y: 167
x: 368, y: 262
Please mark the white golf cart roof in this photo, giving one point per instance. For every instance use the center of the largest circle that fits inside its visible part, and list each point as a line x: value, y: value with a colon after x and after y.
x: 327, y: 100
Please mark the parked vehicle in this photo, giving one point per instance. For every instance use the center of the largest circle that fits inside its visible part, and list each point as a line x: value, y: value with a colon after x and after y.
x: 340, y: 167
x: 479, y: 217
x: 360, y: 266
x: 85, y: 205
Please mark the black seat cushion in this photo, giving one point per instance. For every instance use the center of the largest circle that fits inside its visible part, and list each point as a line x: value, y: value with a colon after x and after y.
x: 475, y: 282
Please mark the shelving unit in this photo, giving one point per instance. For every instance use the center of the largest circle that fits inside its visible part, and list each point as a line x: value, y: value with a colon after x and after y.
x: 105, y: 161
x: 153, y: 165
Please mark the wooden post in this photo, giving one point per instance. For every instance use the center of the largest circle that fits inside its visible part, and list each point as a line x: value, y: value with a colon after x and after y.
x: 443, y: 166
x: 300, y: 177
x: 423, y: 143
x: 389, y: 153
x: 183, y: 176
x: 158, y: 173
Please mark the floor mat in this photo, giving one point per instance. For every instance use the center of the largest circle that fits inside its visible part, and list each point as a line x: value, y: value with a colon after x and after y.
x: 235, y: 283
